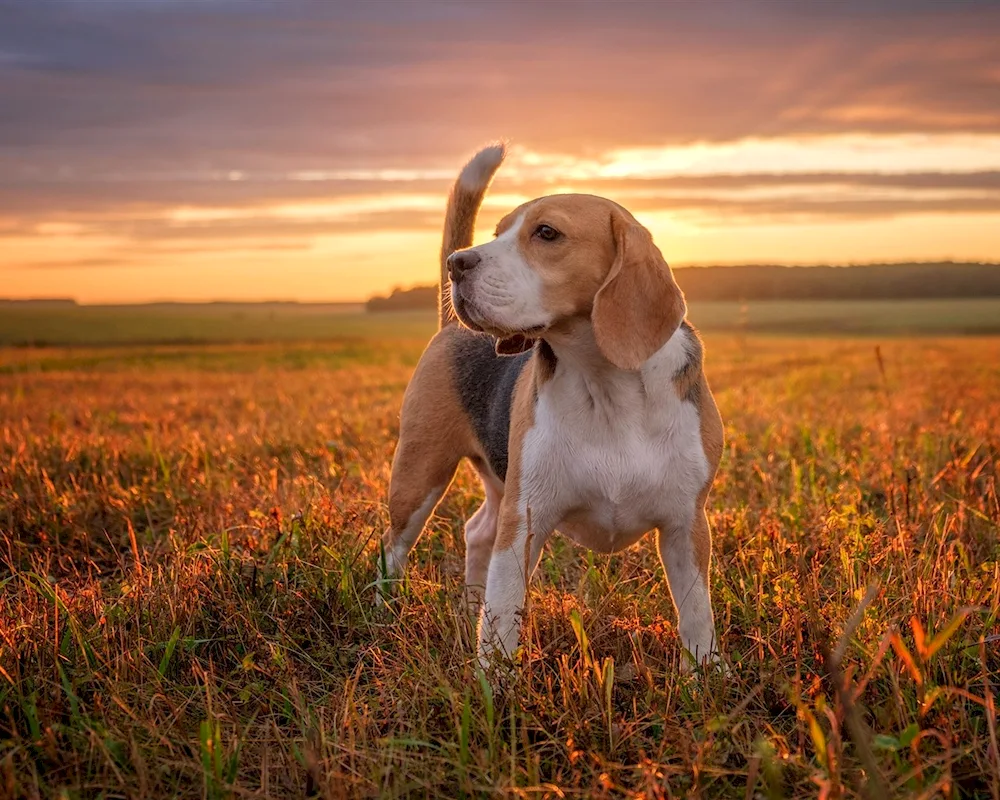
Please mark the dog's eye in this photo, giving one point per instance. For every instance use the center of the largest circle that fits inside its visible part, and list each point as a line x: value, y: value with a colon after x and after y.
x: 547, y: 233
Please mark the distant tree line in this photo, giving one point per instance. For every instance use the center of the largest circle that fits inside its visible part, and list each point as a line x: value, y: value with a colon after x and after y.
x: 773, y: 282
x: 870, y: 281
x: 38, y: 302
x: 420, y: 297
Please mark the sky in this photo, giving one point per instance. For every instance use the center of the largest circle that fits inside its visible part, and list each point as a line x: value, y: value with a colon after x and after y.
x: 303, y: 149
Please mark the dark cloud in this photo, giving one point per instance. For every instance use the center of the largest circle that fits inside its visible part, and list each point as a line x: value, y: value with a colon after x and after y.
x: 24, y: 204
x: 722, y: 211
x: 92, y: 85
x: 138, y: 238
x: 914, y: 180
x: 68, y: 197
x: 265, y: 229
x: 115, y: 112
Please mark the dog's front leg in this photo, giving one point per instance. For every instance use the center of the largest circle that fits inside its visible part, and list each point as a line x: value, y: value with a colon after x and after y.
x: 685, y: 547
x: 515, y: 555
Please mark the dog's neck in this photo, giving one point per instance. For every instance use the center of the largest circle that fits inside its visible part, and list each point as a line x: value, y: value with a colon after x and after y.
x: 576, y: 356
x: 575, y: 347
x: 579, y: 370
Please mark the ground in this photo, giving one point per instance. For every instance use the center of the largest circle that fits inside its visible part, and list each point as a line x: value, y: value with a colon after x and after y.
x: 206, y: 323
x: 188, y: 539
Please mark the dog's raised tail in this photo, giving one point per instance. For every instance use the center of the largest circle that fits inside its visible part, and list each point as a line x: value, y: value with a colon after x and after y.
x: 460, y: 219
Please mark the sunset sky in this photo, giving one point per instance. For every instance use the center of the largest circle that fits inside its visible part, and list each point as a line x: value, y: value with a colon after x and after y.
x: 302, y: 149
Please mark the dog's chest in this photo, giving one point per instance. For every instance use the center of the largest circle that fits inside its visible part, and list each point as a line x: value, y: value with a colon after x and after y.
x: 605, y: 469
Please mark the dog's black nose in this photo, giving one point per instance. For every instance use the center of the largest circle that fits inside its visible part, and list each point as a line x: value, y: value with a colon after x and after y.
x: 461, y: 262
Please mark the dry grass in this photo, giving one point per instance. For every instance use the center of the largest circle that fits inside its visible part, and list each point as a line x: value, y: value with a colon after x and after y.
x: 187, y: 542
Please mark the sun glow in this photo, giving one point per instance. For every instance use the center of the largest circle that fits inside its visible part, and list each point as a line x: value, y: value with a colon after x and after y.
x: 836, y: 153
x: 721, y: 202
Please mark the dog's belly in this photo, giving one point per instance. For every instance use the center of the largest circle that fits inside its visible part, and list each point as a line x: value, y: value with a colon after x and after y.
x: 619, y: 503
x: 606, y: 498
x: 605, y: 529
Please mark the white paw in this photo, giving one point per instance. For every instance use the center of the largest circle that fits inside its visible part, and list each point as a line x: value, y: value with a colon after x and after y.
x: 387, y: 574
x: 707, y: 664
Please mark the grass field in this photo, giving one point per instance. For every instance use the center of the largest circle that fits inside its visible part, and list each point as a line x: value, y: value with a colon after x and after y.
x: 168, y: 323
x: 187, y: 545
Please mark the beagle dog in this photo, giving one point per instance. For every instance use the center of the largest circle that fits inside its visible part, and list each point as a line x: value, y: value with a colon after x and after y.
x: 575, y: 387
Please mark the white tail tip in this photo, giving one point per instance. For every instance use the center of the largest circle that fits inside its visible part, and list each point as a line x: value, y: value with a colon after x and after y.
x: 477, y: 174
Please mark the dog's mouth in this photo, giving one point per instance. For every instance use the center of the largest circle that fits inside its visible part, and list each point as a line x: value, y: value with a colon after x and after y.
x: 527, y: 333
x: 466, y: 312
x: 473, y: 318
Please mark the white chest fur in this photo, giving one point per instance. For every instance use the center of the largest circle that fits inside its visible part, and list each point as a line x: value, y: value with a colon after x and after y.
x: 613, y: 454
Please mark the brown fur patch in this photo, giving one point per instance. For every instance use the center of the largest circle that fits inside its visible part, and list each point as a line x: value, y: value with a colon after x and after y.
x: 711, y: 426
x: 712, y: 444
x: 573, y: 267
x: 640, y: 306
x: 435, y: 434
x: 687, y: 381
x: 545, y: 364
x: 603, y: 265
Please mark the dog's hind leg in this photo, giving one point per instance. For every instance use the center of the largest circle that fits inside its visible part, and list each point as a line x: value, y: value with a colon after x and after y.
x: 480, y: 534
x: 419, y: 481
x: 433, y: 438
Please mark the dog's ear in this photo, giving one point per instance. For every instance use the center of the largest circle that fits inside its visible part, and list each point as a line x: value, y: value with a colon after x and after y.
x: 514, y: 344
x: 639, y: 306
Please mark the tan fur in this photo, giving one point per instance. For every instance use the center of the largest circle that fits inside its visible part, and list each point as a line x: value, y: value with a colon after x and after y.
x: 639, y: 306
x: 434, y: 436
x: 573, y: 268
x: 688, y: 382
x: 522, y: 417
x: 712, y: 443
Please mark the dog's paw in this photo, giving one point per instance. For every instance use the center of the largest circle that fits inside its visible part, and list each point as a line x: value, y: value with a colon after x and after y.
x: 389, y: 568
x: 386, y: 585
x: 497, y: 670
x: 710, y: 664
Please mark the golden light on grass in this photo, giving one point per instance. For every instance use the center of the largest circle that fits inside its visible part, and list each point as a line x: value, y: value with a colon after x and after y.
x: 189, y: 540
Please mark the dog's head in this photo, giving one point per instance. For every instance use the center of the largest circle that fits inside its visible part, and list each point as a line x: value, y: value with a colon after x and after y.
x: 567, y: 257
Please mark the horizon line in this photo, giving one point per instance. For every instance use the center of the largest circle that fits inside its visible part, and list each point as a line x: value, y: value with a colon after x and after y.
x: 53, y: 300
